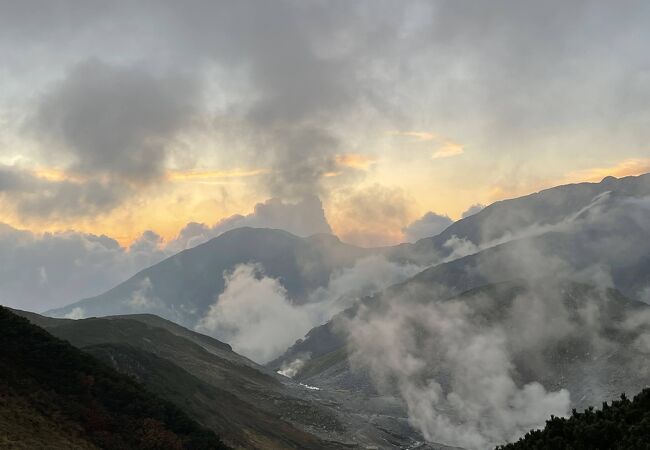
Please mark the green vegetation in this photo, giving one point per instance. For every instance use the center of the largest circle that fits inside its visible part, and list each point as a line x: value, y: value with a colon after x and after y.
x: 624, y: 424
x: 247, y: 408
x: 52, y: 392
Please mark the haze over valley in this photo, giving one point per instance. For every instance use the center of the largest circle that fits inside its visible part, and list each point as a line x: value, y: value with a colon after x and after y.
x: 324, y: 225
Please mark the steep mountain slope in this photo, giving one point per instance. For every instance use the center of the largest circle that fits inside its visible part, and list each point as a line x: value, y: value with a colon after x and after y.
x: 250, y: 406
x: 182, y: 287
x: 606, y: 244
x: 523, y: 216
x: 623, y: 424
x: 55, y: 396
x: 590, y: 317
x: 242, y: 424
x: 223, y: 391
x: 554, y: 273
x: 559, y: 338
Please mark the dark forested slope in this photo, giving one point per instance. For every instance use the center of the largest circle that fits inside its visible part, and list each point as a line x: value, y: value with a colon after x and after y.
x: 56, y: 396
x: 623, y: 424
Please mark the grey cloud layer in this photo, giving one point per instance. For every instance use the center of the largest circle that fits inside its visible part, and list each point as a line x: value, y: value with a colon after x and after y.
x: 492, y: 72
x: 40, y: 272
x: 303, y: 218
x: 472, y: 210
x: 114, y: 121
x: 426, y: 226
x: 70, y: 266
x: 111, y: 128
x: 32, y: 196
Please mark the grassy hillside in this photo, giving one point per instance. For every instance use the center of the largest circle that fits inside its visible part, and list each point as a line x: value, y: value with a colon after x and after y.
x: 242, y: 425
x: 56, y: 396
x: 245, y: 405
x: 623, y: 424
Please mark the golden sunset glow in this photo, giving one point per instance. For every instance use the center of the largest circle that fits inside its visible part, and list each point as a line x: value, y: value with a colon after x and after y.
x: 447, y: 150
x: 186, y: 199
x: 355, y: 161
x: 624, y: 168
x: 53, y: 174
x: 324, y: 224
x: 113, y: 138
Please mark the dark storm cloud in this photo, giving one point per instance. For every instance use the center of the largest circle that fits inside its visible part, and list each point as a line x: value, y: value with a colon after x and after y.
x: 13, y: 180
x: 500, y: 72
x: 298, y: 58
x: 56, y: 199
x: 32, y: 21
x: 302, y: 81
x: 115, y: 121
x: 34, y: 197
x: 303, y: 157
x: 497, y: 73
x: 113, y: 126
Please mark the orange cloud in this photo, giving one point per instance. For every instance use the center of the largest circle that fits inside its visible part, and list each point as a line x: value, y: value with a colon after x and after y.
x: 420, y: 136
x: 625, y: 168
x: 52, y: 174
x: 207, y: 175
x: 370, y: 215
x: 447, y: 150
x: 446, y: 147
x: 355, y: 161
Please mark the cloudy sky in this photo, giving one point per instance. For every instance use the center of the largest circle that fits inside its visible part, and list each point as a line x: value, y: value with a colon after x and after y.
x: 120, y: 117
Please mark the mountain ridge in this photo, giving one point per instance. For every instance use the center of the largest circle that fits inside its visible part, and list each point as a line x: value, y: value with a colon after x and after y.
x: 182, y: 287
x: 49, y: 380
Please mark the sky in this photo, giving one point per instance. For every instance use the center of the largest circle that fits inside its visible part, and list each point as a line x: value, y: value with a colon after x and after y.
x: 154, y: 122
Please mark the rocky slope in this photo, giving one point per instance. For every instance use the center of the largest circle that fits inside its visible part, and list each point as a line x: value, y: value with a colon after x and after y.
x: 561, y: 335
x: 525, y: 216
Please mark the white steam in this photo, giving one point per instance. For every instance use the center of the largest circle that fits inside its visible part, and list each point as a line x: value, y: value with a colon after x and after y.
x: 76, y: 314
x: 466, y: 369
x: 143, y: 298
x: 292, y: 368
x: 368, y: 276
x: 456, y: 379
x: 256, y: 317
x: 459, y: 248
